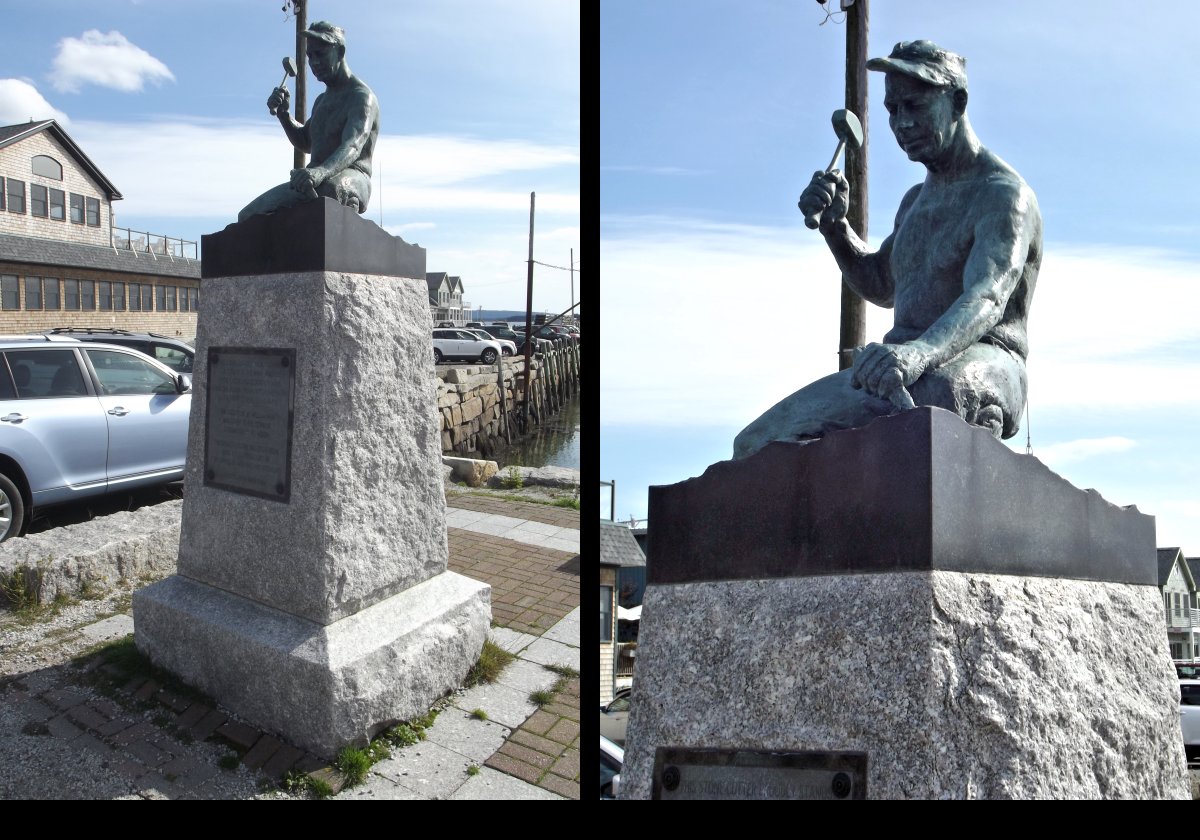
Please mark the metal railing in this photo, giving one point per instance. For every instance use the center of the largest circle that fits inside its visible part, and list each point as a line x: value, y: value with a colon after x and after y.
x: 138, y: 241
x: 624, y: 661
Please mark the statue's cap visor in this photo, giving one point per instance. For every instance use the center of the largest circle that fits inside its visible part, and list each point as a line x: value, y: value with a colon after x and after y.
x: 327, y: 32
x: 925, y: 61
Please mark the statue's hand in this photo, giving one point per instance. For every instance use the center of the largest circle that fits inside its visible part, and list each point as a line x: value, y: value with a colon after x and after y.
x: 305, y: 181
x: 826, y: 199
x: 279, y: 100
x: 885, y: 370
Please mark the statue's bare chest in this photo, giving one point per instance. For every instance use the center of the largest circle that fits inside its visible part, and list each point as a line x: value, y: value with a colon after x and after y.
x: 930, y: 250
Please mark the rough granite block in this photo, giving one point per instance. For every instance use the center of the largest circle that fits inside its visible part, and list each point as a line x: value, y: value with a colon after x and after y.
x: 319, y: 686
x: 366, y: 514
x: 955, y: 685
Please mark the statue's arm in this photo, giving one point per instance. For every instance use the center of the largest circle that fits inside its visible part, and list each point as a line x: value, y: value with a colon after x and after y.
x: 1007, y: 230
x: 362, y: 115
x: 867, y: 272
x: 297, y: 133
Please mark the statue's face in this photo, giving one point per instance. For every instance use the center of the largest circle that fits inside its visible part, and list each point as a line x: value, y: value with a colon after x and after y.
x: 923, y: 117
x: 323, y: 58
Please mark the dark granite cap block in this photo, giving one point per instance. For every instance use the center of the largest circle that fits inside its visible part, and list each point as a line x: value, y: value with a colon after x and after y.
x: 919, y: 491
x: 319, y: 235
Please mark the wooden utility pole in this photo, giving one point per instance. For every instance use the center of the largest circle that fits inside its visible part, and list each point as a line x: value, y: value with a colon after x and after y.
x: 528, y: 320
x: 298, y: 157
x: 854, y: 309
x: 572, y: 265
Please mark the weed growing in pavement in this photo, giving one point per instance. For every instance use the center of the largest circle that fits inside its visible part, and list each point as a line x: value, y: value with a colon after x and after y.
x: 473, y: 770
x: 479, y: 714
x: 562, y: 670
x: 296, y: 782
x: 573, y: 504
x: 229, y: 761
x: 512, y: 479
x: 492, y: 660
x: 354, y: 764
x: 542, y: 697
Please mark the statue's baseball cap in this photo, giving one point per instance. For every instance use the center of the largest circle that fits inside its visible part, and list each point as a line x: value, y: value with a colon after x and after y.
x: 925, y: 61
x: 327, y: 32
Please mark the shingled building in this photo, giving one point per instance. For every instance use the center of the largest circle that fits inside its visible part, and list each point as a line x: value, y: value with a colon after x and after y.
x: 63, y: 262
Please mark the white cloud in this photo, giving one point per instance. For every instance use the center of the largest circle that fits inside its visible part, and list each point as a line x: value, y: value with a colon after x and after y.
x: 1072, y: 451
x: 20, y: 102
x: 713, y: 323
x: 107, y: 60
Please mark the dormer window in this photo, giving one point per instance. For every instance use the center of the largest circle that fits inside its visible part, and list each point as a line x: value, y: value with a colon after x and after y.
x: 47, y: 167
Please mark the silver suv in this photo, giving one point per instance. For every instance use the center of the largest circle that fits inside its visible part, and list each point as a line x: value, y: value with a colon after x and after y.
x: 81, y: 419
x: 461, y: 344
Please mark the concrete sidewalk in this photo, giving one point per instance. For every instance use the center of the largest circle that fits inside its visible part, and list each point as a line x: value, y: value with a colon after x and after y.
x: 143, y: 740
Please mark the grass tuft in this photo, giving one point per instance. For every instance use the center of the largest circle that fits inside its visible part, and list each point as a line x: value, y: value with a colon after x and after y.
x: 493, y: 659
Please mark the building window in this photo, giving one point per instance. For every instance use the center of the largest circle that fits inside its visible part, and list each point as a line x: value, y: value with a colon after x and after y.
x: 104, y: 291
x: 76, y: 209
x: 47, y: 167
x: 118, y: 297
x: 171, y: 307
x: 606, y: 597
x: 50, y: 296
x: 1, y: 193
x: 135, y: 297
x: 58, y: 200
x: 71, y: 295
x: 93, y: 211
x: 160, y: 298
x: 15, y: 190
x: 33, y: 292
x: 87, y: 294
x: 194, y: 299
x: 38, y: 203
x: 147, y: 297
x: 10, y: 291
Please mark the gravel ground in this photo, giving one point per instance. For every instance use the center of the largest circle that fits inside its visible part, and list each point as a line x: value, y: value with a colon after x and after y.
x: 37, y: 654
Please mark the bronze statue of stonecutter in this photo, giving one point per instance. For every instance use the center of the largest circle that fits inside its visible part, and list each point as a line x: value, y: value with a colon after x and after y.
x: 340, y: 135
x: 959, y: 269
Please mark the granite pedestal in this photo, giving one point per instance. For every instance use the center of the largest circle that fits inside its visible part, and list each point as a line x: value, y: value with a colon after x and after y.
x: 913, y: 592
x: 312, y: 594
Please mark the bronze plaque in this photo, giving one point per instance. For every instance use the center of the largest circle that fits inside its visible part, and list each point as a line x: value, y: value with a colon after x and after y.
x: 683, y: 773
x: 248, y: 421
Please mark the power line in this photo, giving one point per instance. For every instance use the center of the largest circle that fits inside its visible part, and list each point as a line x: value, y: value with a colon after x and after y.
x: 559, y: 267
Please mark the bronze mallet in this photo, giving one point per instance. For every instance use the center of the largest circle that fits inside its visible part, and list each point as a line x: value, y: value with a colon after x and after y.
x: 289, y: 69
x: 849, y: 133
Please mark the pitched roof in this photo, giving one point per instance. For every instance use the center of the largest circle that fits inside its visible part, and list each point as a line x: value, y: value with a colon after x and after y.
x: 1194, y: 567
x: 618, y: 547
x: 456, y: 284
x: 1166, y: 562
x: 59, y: 254
x: 10, y: 134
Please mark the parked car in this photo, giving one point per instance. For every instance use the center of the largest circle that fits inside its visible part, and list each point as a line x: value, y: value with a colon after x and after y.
x: 1188, y: 670
x: 517, y: 334
x: 614, y: 718
x: 81, y: 419
x: 175, y: 354
x: 460, y: 344
x: 612, y: 758
x: 474, y: 325
x: 507, y: 347
x: 445, y: 323
x: 1189, y: 718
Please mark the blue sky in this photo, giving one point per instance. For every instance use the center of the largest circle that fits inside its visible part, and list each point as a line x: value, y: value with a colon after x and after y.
x: 716, y: 301
x: 479, y: 101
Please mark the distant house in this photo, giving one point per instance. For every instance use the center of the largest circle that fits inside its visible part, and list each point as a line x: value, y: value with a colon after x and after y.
x: 446, y: 298
x: 618, y: 551
x: 1177, y: 581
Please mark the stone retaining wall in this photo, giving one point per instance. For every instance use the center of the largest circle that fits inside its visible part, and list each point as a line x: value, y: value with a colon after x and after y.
x: 90, y: 557
x: 481, y: 404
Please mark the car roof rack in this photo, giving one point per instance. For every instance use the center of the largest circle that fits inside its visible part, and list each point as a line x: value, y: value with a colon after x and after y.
x: 88, y: 330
